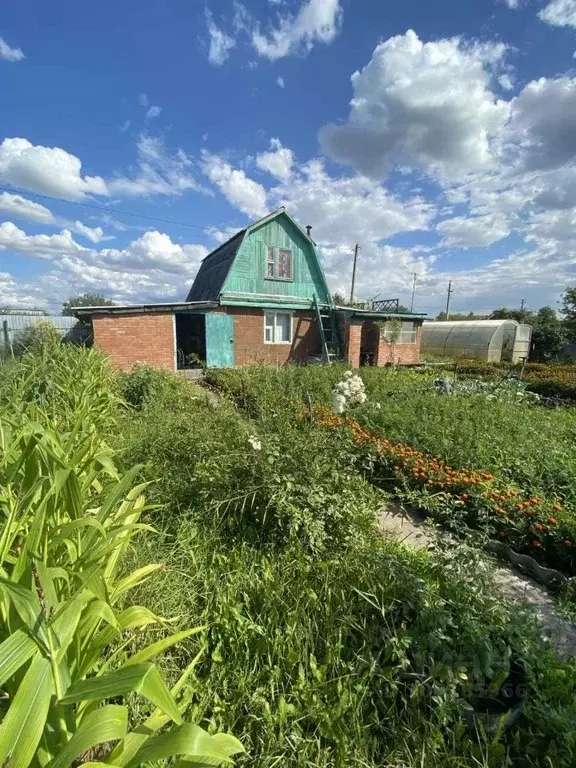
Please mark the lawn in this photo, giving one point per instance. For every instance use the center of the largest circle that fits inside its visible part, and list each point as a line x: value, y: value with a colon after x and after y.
x: 253, y: 579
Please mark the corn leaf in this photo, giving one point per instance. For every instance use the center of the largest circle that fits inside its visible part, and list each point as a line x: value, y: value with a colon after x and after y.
x: 22, y: 727
x: 127, y: 748
x: 104, y: 724
x: 162, y: 645
x: 14, y: 652
x: 134, y: 579
x: 140, y: 678
x: 28, y: 608
x: 186, y: 740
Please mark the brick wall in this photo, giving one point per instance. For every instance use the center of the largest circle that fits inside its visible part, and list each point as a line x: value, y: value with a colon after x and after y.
x: 249, y: 346
x: 357, y: 332
x: 404, y: 354
x: 136, y: 337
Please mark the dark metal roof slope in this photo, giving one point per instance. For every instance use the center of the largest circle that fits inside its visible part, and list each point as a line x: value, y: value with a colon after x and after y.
x: 209, y: 281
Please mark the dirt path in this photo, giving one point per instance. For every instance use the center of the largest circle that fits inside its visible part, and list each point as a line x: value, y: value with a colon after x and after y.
x: 410, y: 527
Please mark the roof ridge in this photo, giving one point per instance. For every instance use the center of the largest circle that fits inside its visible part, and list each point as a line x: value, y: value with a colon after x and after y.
x: 222, y: 245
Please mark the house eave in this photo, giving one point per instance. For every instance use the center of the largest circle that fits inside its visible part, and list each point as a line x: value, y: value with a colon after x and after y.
x: 370, y: 314
x: 266, y: 300
x: 178, y: 306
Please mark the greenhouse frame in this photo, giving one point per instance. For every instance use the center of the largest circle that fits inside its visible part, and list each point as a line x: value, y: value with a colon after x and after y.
x: 492, y: 341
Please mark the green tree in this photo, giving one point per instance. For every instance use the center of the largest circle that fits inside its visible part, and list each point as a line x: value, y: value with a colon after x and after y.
x: 569, y: 312
x: 520, y: 315
x: 86, y: 300
x: 549, y: 335
x: 457, y: 316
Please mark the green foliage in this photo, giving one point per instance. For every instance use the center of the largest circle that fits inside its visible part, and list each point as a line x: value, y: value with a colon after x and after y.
x: 321, y: 645
x: 67, y: 643
x: 86, y: 300
x: 459, y: 316
x: 365, y: 658
x: 569, y: 311
x: 39, y: 334
x: 147, y: 387
x: 280, y: 483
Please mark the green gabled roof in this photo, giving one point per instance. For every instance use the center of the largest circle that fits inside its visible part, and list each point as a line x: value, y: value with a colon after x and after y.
x: 209, y: 281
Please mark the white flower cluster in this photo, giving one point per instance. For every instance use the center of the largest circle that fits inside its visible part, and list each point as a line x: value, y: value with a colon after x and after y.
x: 348, y: 392
x: 255, y: 442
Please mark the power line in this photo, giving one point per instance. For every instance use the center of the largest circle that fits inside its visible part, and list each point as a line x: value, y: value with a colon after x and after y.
x: 15, y: 191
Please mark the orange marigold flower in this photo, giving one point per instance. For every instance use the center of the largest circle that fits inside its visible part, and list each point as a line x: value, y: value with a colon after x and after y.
x: 536, y: 544
x: 557, y: 508
x: 552, y: 520
x: 567, y: 543
x: 502, y: 534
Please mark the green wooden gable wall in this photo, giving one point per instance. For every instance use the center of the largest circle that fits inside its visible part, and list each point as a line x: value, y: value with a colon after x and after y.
x: 247, y: 283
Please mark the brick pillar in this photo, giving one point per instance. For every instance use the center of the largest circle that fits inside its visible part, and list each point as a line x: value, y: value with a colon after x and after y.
x: 354, y: 335
x: 384, y: 354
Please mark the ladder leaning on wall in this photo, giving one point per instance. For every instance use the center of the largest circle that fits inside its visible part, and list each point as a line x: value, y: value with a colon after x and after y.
x: 329, y: 333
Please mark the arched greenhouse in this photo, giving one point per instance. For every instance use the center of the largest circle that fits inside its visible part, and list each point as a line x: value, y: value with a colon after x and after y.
x: 492, y: 341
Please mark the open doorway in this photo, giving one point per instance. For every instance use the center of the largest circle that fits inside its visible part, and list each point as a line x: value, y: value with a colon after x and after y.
x: 369, y: 341
x: 190, y: 341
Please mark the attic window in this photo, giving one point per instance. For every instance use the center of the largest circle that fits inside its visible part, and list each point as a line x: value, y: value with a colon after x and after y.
x: 278, y: 263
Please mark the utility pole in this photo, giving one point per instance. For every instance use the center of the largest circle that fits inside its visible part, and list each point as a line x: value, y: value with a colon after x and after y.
x: 450, y: 292
x: 413, y: 292
x: 356, y: 249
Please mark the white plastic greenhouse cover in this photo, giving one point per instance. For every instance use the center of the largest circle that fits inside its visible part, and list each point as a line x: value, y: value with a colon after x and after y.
x: 488, y: 340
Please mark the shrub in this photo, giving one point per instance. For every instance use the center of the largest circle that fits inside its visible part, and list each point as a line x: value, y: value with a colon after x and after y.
x: 147, y: 387
x: 290, y: 483
x: 40, y: 334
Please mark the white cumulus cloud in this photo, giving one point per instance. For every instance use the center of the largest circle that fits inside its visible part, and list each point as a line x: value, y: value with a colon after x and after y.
x: 48, y: 170
x: 8, y: 53
x: 346, y: 210
x: 240, y: 191
x: 94, y: 234
x: 42, y: 246
x: 22, y: 208
x: 426, y: 105
x: 559, y: 13
x: 473, y: 231
x: 278, y: 161
x: 316, y: 21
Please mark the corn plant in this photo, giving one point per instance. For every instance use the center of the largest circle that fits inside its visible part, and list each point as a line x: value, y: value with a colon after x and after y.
x: 68, y: 648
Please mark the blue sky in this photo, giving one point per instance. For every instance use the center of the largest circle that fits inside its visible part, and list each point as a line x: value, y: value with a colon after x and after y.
x: 439, y: 136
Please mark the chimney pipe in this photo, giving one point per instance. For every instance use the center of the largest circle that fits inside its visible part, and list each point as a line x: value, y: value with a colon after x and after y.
x: 308, y: 230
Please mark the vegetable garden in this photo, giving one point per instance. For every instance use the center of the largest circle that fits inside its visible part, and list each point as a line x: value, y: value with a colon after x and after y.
x: 195, y: 576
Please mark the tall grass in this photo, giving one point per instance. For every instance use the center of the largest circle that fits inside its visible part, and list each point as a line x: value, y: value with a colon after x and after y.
x: 370, y: 658
x: 70, y: 651
x: 355, y: 652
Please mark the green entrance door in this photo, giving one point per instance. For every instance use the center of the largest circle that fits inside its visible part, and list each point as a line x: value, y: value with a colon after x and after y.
x: 219, y: 341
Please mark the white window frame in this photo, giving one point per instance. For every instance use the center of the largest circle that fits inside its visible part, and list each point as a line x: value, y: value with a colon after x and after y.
x: 275, y: 313
x: 276, y: 250
x: 406, y: 336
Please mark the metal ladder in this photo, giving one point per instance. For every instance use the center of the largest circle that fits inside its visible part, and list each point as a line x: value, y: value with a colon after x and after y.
x: 329, y: 334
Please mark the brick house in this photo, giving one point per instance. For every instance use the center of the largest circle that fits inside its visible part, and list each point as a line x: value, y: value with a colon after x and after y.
x: 259, y: 297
